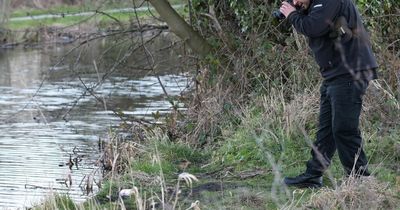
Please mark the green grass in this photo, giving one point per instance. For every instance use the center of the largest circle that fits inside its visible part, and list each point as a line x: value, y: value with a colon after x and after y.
x: 264, y: 191
x: 258, y: 138
x: 62, y: 202
x: 66, y: 9
x: 33, y: 24
x: 73, y: 9
x: 257, y: 143
x: 100, y: 20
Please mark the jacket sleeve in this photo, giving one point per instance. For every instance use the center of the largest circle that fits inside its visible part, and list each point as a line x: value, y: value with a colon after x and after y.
x: 319, y: 20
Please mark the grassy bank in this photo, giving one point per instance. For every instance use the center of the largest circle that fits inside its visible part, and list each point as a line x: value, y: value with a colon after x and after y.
x: 23, y: 10
x: 251, y: 123
x: 66, y: 20
x: 66, y: 9
x: 244, y: 168
x: 243, y: 171
x: 97, y: 20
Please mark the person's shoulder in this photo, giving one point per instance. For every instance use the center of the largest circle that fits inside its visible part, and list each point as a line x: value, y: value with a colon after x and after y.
x: 320, y: 4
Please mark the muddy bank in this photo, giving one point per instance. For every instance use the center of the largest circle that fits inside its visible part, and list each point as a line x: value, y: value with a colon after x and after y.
x: 37, y: 37
x: 34, y: 37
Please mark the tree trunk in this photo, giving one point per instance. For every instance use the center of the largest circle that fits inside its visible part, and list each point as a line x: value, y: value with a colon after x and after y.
x: 179, y: 26
x: 4, y: 11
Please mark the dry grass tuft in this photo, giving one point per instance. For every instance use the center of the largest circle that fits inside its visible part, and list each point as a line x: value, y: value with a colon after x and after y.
x: 301, y: 110
x: 292, y: 114
x: 355, y: 193
x: 253, y: 200
x: 118, y: 153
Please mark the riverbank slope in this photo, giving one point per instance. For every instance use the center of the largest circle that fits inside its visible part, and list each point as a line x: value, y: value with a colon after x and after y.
x: 235, y: 143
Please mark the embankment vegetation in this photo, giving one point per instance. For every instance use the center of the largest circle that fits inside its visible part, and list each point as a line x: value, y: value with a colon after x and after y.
x: 249, y: 120
x: 37, y: 23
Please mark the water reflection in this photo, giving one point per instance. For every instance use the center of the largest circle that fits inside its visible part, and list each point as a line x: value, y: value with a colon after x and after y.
x: 13, y: 75
x: 47, y: 115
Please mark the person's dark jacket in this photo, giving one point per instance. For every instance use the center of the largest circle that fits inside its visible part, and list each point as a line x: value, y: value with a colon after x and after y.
x: 334, y: 56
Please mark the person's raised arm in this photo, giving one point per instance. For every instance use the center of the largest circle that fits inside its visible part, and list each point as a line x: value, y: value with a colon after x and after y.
x: 318, y: 21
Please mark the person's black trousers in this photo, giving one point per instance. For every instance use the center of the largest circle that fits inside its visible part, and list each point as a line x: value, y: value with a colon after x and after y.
x: 340, y: 107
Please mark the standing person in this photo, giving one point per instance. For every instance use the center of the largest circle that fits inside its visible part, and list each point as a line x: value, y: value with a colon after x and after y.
x: 341, y: 48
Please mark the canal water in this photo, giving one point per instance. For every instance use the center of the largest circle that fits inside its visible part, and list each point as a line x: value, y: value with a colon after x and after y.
x: 48, y: 112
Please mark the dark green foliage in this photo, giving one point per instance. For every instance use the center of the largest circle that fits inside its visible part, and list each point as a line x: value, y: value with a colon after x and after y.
x: 64, y: 203
x: 178, y: 151
x: 108, y: 193
x: 152, y: 169
x: 57, y: 201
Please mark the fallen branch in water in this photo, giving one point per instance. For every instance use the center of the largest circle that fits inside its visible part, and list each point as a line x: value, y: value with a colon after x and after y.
x: 31, y: 186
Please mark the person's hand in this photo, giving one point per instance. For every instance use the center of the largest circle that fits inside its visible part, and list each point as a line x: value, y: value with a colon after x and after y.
x: 286, y: 8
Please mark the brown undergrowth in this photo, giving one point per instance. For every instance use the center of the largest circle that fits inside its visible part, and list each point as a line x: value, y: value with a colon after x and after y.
x: 253, y: 103
x: 356, y: 193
